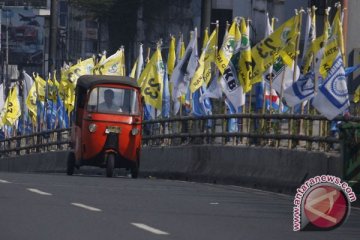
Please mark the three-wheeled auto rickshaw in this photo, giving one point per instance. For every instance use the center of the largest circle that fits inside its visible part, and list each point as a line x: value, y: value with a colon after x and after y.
x: 108, y: 124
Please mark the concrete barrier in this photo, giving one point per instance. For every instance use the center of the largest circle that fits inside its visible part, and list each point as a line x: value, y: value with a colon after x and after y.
x: 36, y: 162
x: 279, y: 170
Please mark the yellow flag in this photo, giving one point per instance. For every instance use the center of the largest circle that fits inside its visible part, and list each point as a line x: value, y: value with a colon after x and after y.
x: 12, y: 107
x: 245, y: 67
x: 122, y: 63
x: 171, y: 57
x: 182, y: 50
x: 142, y: 79
x: 203, y: 72
x: 332, y: 46
x: 67, y: 95
x: 72, y: 74
x: 357, y: 95
x: 152, y: 77
x: 330, y: 52
x: 337, y: 31
x: 31, y: 102
x: 40, y: 84
x: 264, y: 53
x: 113, y: 65
x: 228, y: 47
x: 133, y: 70
x: 99, y: 64
x: 86, y: 66
x: 316, y: 45
x: 206, y: 38
x: 53, y: 86
x: 67, y: 90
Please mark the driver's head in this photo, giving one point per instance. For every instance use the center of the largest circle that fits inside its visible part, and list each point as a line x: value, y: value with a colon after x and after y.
x: 108, y: 96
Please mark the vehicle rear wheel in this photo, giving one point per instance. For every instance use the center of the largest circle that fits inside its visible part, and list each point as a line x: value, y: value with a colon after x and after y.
x: 70, y: 164
x: 110, y: 165
x: 135, y: 170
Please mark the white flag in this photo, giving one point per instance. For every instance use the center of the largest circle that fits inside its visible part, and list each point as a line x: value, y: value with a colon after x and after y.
x: 140, y: 62
x: 300, y: 91
x: 28, y: 82
x: 232, y: 88
x: 333, y: 98
x: 285, y: 76
x: 184, y: 71
x: 214, y: 89
x: 2, y: 103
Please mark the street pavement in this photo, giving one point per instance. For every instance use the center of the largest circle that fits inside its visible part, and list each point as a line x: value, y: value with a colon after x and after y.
x: 56, y: 206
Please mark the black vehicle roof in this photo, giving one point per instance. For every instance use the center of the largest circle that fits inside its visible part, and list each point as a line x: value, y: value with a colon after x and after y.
x: 87, y: 81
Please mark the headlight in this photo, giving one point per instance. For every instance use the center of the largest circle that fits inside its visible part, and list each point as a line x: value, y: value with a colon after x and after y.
x: 134, y: 131
x: 92, y: 127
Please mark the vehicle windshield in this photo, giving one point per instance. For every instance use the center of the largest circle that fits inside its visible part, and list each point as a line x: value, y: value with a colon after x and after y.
x: 113, y: 100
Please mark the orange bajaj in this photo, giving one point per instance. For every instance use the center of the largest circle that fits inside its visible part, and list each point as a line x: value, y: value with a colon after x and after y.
x: 107, y: 128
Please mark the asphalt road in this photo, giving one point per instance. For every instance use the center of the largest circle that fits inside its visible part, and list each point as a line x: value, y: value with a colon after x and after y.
x: 55, y: 206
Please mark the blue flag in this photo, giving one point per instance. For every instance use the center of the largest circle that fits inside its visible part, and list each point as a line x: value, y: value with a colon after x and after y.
x: 333, y: 98
x: 40, y: 113
x: 352, y: 69
x: 51, y: 111
x: 165, y: 111
x: 301, y: 90
x: 201, y: 108
x: 63, y: 117
x: 25, y: 125
x: 232, y: 125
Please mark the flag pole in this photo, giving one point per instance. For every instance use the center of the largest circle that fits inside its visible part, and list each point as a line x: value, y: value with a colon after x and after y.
x: 295, y: 69
x: 224, y: 97
x: 271, y: 75
x: 250, y: 92
x: 24, y: 103
x: 243, y: 108
x: 271, y: 82
x: 326, y: 20
x: 264, y: 81
x: 310, y: 110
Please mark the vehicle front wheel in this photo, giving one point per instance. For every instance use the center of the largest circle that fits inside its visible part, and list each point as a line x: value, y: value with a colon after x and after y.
x: 110, y: 165
x: 135, y: 170
x: 70, y: 164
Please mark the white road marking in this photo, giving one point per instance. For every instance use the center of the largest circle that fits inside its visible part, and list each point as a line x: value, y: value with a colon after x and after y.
x: 149, y: 229
x: 86, y: 207
x: 4, y: 181
x: 34, y: 190
x: 214, y: 203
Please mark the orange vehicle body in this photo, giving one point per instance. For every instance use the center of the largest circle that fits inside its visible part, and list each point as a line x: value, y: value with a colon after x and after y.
x: 106, y: 139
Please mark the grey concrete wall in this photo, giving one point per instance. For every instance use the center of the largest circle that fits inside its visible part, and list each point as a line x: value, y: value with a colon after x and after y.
x: 37, y: 162
x: 280, y: 170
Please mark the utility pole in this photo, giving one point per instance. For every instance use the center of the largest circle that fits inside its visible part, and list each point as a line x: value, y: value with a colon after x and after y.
x: 2, y: 72
x: 205, y: 14
x: 53, y: 35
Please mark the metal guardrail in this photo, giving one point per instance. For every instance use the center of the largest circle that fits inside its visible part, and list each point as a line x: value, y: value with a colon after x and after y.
x: 307, y: 132
x: 52, y: 140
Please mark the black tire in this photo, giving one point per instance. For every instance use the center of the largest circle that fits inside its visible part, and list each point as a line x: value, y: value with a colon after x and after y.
x: 134, y: 171
x: 70, y: 164
x: 110, y: 165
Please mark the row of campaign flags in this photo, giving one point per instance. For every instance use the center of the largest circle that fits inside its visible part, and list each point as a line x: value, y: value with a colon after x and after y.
x: 282, y: 81
x: 188, y: 79
x: 48, y: 104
